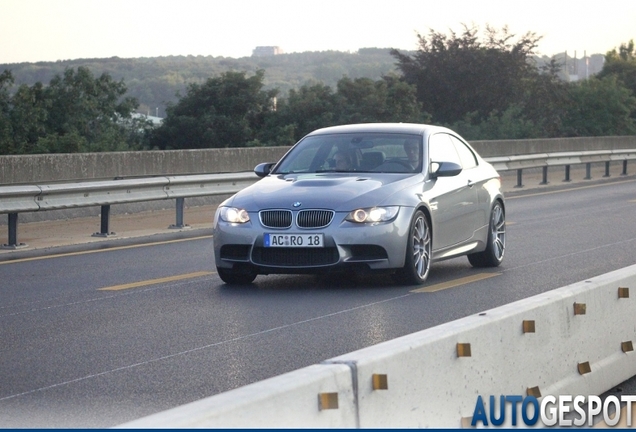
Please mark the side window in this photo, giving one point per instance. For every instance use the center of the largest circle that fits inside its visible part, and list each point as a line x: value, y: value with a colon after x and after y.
x: 441, y: 149
x: 465, y: 154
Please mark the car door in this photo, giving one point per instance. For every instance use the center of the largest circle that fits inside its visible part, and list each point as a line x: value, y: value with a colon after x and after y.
x: 454, y: 199
x: 475, y: 176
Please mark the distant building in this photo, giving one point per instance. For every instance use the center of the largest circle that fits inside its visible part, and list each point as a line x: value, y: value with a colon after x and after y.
x: 583, y: 68
x: 264, y: 51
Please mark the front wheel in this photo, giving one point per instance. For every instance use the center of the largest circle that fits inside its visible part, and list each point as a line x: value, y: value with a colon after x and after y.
x: 417, y: 262
x: 494, y: 253
x: 234, y: 277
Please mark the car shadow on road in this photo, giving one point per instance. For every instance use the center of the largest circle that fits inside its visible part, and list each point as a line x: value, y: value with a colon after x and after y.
x: 349, y: 281
x: 327, y: 282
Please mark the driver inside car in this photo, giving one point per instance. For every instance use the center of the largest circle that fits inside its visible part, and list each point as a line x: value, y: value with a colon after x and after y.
x: 342, y: 161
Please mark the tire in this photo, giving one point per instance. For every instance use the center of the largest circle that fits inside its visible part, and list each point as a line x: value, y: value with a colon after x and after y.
x: 233, y: 277
x: 417, y: 261
x: 493, y: 255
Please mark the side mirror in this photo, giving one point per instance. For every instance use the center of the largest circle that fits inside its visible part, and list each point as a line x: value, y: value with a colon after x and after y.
x: 263, y: 169
x: 445, y: 169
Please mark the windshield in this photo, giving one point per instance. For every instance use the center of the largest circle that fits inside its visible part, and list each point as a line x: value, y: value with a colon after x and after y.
x: 366, y: 152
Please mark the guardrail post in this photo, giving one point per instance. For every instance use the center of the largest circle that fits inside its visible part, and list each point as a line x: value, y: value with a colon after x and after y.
x: 519, y: 178
x: 13, y: 233
x: 588, y: 171
x: 180, y: 204
x: 567, y: 174
x: 624, y: 167
x: 545, y: 176
x: 607, y: 169
x: 104, y: 223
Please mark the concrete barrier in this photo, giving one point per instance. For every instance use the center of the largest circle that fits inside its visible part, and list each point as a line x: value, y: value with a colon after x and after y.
x: 575, y: 340
x: 552, y: 145
x: 319, y: 396
x: 48, y: 168
x: 565, y: 341
x: 45, y: 168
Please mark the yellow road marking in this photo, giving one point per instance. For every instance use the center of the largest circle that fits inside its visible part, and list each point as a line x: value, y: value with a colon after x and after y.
x: 102, y: 250
x: 156, y: 281
x: 456, y: 282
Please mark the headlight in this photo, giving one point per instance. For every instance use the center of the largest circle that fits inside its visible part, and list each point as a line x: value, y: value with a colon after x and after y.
x: 234, y: 215
x: 373, y: 214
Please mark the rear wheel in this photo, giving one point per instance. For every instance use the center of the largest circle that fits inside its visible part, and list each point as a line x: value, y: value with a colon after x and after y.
x: 417, y: 262
x: 494, y: 253
x: 236, y: 277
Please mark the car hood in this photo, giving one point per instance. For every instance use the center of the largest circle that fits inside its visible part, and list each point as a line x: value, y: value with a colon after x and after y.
x: 340, y: 192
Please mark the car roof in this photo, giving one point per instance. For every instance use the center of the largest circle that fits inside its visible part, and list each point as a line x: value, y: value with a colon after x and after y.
x: 410, y: 128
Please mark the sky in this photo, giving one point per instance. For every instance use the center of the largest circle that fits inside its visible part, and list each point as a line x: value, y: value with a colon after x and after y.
x: 51, y: 30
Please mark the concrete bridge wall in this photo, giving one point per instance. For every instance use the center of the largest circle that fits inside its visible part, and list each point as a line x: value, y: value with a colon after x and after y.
x: 88, y: 166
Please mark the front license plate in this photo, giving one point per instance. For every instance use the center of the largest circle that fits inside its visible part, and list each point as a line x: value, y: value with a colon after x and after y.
x: 294, y: 240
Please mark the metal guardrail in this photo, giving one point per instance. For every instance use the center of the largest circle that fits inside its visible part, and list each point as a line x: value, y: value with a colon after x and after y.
x: 32, y: 198
x: 565, y: 159
x: 104, y: 193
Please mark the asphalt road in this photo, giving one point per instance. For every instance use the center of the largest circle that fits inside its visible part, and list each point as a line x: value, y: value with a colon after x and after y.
x: 102, y: 334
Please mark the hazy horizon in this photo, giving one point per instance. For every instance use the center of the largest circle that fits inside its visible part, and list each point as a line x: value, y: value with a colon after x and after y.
x: 60, y: 30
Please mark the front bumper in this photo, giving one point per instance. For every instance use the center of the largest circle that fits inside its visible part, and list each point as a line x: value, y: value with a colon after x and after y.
x: 377, y: 246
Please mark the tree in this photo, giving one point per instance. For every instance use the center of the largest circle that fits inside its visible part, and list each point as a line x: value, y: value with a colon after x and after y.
x: 458, y: 74
x: 311, y: 107
x: 6, y: 130
x: 510, y: 124
x: 599, y: 107
x: 358, y: 100
x: 539, y: 113
x: 74, y: 113
x: 622, y: 65
x: 385, y: 100
x: 29, y: 114
x: 402, y: 103
x: 225, y: 111
x: 545, y: 101
x: 93, y: 109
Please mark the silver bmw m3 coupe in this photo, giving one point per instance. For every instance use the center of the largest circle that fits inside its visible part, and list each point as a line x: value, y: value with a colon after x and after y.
x: 364, y: 198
